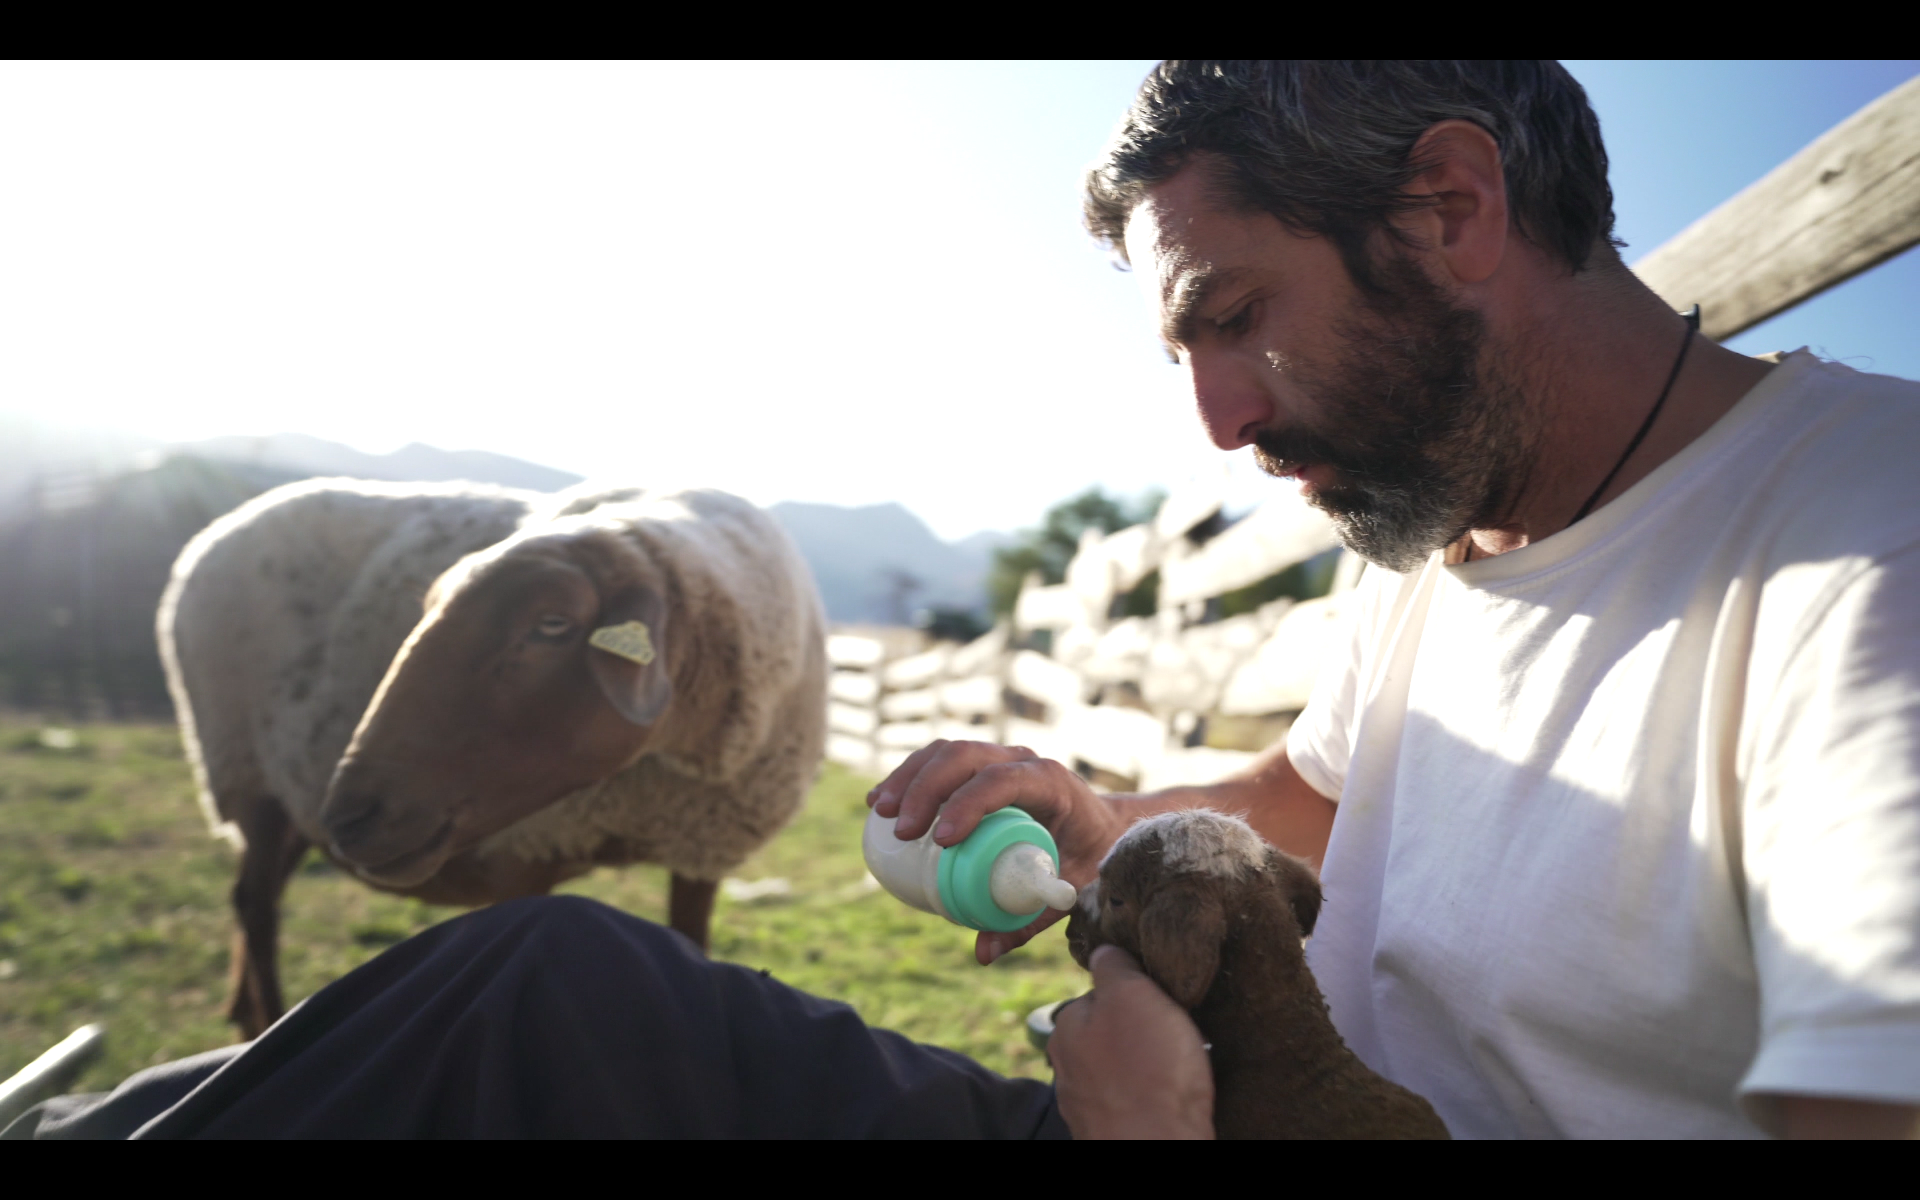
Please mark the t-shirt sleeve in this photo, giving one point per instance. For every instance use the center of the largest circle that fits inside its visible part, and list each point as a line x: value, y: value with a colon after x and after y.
x: 1321, y: 739
x: 1831, y: 828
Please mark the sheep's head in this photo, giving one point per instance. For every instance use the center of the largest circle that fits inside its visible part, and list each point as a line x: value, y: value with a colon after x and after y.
x: 540, y: 667
x: 1170, y: 885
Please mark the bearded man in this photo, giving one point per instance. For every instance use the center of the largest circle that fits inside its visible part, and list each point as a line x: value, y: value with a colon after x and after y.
x: 1616, y: 790
x: 1617, y: 786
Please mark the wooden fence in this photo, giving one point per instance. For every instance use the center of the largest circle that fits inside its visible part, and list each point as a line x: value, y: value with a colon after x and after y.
x: 1141, y: 701
x: 1849, y: 200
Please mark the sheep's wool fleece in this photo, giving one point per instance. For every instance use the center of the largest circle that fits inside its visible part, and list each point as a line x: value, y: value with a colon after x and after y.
x: 1628, y: 837
x: 283, y: 617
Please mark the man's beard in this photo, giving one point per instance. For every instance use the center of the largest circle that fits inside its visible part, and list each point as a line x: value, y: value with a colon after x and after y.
x: 1428, y: 441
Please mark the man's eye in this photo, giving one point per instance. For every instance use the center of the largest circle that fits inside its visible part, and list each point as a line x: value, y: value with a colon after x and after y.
x: 553, y: 626
x: 1238, y: 322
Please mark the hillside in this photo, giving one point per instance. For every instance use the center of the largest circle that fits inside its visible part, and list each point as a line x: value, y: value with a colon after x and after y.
x: 83, y: 579
x: 310, y: 456
x: 880, y: 564
x: 91, y: 521
x: 90, y: 525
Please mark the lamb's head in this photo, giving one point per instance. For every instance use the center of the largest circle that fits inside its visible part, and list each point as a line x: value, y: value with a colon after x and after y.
x: 1171, y: 888
x: 540, y: 667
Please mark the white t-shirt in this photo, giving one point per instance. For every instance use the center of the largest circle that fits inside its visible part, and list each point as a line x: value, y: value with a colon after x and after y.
x: 1629, y: 819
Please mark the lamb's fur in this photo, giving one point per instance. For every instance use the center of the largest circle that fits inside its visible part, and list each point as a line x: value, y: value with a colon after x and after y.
x: 1217, y: 918
x: 285, y: 618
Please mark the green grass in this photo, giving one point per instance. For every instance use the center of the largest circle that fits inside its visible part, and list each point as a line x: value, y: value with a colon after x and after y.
x: 113, y: 908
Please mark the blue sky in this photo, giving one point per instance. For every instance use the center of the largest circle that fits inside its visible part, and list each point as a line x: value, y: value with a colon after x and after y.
x: 1683, y: 136
x: 848, y: 283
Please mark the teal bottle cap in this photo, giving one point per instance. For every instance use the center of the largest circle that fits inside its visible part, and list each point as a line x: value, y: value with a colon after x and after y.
x: 966, y: 870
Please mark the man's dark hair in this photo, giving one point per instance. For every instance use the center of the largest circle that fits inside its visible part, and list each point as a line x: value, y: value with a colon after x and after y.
x: 1326, y: 146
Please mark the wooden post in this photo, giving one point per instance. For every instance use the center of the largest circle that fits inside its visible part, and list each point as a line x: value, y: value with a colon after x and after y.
x: 1847, y: 202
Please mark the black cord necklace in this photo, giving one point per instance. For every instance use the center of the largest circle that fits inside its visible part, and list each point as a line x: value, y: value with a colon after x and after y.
x: 1693, y: 326
x: 1692, y: 316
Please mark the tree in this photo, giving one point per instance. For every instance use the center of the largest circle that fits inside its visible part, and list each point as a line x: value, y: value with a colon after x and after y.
x: 1049, y: 548
x: 950, y: 623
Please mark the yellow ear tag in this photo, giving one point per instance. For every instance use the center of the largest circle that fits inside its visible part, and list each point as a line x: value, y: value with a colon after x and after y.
x: 630, y: 640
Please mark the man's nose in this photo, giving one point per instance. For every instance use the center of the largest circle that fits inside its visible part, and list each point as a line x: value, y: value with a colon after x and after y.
x: 1232, y: 405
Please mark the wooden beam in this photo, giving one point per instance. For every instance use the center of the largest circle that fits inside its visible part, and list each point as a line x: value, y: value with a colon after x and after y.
x: 1847, y: 202
x: 1283, y: 531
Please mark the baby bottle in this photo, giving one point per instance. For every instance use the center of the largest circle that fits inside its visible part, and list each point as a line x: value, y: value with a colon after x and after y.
x: 1000, y: 878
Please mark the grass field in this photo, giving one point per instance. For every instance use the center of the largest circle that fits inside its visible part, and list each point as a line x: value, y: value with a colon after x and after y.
x: 113, y: 909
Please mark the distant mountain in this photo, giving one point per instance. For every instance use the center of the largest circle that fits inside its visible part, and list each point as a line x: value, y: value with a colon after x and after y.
x: 37, y: 455
x: 83, y: 575
x: 984, y: 543
x: 307, y: 456
x: 90, y: 524
x: 880, y: 564
x: 45, y: 465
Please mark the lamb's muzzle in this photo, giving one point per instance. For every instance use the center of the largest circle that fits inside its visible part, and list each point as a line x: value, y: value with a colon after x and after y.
x: 1216, y: 918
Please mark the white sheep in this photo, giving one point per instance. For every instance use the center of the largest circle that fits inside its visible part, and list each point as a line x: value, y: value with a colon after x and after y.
x: 468, y: 693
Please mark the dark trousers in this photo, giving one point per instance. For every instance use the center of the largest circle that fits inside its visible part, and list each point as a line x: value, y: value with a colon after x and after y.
x: 561, y: 1017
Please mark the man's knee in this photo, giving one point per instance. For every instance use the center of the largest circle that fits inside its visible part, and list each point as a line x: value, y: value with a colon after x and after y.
x: 572, y: 921
x: 535, y: 944
x: 541, y: 910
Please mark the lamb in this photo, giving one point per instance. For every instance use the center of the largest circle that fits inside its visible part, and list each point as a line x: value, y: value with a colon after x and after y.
x: 468, y: 694
x: 1217, y: 918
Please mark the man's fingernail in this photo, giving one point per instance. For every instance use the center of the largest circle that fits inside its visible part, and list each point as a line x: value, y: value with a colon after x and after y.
x: 943, y: 831
x: 878, y: 796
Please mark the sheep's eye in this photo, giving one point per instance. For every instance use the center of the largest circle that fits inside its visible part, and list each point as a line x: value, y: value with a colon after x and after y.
x: 1115, y: 902
x: 553, y: 625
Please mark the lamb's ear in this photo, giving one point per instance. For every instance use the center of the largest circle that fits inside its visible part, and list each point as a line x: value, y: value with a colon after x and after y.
x: 1302, y: 888
x: 1181, y: 932
x: 627, y: 654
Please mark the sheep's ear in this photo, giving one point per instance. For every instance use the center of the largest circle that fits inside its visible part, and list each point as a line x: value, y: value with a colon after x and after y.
x: 627, y: 654
x: 1302, y: 888
x: 1181, y: 932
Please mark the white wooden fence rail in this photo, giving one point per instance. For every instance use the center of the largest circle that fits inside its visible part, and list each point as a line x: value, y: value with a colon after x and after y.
x: 1118, y: 698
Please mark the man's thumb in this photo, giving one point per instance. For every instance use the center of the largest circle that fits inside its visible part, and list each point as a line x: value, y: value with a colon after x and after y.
x: 1111, y: 966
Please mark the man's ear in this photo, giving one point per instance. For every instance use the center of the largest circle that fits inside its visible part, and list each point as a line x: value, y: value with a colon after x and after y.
x: 1301, y: 885
x: 1181, y: 932
x: 627, y: 654
x: 1466, y: 223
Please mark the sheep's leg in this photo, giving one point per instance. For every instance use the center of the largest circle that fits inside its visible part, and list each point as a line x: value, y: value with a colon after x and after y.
x: 690, y: 907
x: 274, y: 849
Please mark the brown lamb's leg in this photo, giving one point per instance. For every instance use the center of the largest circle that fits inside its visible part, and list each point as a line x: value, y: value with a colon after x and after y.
x: 690, y: 907
x: 274, y: 849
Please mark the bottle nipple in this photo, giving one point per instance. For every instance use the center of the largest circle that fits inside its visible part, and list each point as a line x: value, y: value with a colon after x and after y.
x: 1023, y: 879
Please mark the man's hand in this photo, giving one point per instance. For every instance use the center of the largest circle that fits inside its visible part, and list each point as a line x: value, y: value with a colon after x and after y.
x: 972, y: 779
x: 1128, y: 1062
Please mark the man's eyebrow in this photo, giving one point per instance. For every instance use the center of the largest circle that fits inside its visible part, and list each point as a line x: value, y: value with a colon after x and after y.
x: 1183, y: 298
